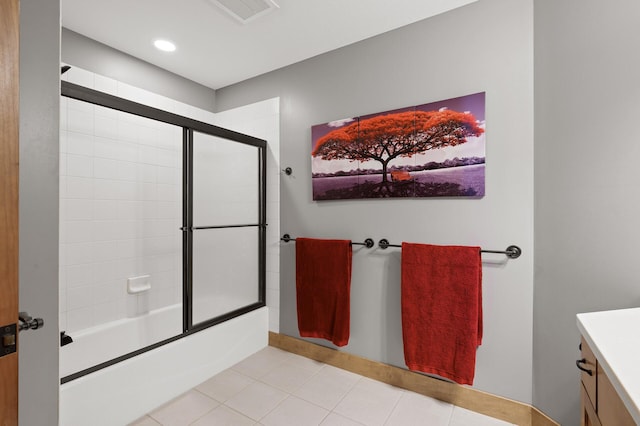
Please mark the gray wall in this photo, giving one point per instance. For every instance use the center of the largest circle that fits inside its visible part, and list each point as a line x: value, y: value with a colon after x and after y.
x: 39, y: 160
x: 586, y: 94
x: 93, y: 56
x: 485, y: 46
x: 586, y: 181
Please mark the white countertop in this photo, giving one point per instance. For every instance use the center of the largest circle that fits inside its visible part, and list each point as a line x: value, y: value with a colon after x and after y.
x: 614, y: 338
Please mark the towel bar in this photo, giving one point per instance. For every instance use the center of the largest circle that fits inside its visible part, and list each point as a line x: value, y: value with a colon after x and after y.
x: 512, y: 252
x: 368, y: 243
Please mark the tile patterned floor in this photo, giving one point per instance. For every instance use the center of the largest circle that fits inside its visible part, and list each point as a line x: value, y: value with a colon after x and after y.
x: 277, y: 388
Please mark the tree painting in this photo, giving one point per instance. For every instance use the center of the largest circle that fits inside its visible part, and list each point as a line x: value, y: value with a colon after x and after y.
x: 404, y: 134
x: 397, y: 141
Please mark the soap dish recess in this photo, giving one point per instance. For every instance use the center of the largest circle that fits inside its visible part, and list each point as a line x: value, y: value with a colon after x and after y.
x: 136, y: 285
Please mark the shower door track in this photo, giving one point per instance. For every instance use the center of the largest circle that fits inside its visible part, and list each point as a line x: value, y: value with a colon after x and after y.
x: 188, y: 125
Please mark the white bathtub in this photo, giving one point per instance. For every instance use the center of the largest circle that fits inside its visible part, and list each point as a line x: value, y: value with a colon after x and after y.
x: 105, y: 342
x: 123, y: 392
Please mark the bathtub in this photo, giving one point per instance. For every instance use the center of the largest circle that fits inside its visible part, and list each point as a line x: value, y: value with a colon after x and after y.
x: 105, y: 342
x: 121, y: 393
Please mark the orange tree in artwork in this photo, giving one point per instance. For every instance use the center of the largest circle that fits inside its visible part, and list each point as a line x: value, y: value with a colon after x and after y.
x: 403, y: 134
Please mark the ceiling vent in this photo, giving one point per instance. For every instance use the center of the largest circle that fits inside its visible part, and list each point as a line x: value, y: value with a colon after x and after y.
x: 246, y: 10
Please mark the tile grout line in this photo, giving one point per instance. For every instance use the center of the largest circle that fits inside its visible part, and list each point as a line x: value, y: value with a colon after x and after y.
x: 239, y: 413
x: 331, y: 411
x: 274, y: 408
x: 403, y: 392
x: 347, y: 393
x: 287, y: 363
x: 344, y: 396
x: 453, y: 407
x: 207, y: 396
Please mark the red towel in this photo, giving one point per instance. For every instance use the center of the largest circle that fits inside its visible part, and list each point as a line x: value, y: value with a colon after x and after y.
x: 442, y: 309
x: 323, y: 288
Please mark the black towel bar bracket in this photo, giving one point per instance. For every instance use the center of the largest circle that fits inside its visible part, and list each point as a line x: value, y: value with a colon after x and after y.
x: 512, y: 252
x: 368, y: 243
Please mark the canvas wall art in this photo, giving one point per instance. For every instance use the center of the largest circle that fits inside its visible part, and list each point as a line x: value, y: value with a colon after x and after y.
x: 431, y: 150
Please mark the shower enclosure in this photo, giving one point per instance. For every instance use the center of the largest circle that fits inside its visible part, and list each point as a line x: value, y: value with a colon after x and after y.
x: 163, y: 228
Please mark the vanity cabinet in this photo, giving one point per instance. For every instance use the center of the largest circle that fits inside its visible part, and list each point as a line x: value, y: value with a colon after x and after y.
x: 600, y: 403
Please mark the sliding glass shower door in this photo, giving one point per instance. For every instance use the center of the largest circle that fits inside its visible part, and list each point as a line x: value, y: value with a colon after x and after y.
x: 162, y: 228
x: 226, y: 228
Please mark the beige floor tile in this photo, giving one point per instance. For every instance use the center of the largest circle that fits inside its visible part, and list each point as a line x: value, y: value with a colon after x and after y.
x: 184, y: 410
x: 256, y: 400
x: 306, y: 363
x: 287, y: 377
x: 464, y: 417
x: 295, y: 411
x: 334, y: 419
x: 224, y: 385
x: 369, y: 402
x: 274, y: 387
x: 144, y: 421
x: 224, y: 416
x: 327, y: 387
x: 262, y: 362
x: 414, y: 409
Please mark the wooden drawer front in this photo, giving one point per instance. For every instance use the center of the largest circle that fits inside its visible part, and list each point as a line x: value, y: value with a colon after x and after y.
x: 589, y: 381
x: 611, y: 409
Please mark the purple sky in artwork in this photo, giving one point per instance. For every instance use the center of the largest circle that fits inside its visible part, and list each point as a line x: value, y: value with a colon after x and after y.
x: 473, y: 103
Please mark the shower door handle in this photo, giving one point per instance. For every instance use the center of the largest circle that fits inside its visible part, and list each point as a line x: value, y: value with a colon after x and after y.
x: 29, y: 323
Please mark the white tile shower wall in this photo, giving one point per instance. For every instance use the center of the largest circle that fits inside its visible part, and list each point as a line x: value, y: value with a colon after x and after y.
x: 120, y: 213
x: 262, y: 119
x: 121, y: 202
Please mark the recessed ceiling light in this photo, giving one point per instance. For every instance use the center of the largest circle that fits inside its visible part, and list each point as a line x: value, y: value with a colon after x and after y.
x: 164, y: 45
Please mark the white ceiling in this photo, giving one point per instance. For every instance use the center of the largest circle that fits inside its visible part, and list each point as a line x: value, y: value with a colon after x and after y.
x: 215, y: 50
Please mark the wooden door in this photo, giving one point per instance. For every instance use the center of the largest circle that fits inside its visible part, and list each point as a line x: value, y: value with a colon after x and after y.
x: 9, y: 148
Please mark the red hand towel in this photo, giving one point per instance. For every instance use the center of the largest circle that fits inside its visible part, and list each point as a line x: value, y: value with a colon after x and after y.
x: 323, y: 288
x: 442, y: 309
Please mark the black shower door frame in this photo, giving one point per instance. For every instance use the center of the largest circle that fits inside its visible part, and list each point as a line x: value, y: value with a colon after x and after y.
x: 189, y: 126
